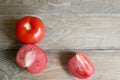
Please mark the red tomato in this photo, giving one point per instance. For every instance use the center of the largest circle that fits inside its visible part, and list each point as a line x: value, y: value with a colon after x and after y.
x: 31, y: 58
x: 29, y: 29
x: 80, y: 66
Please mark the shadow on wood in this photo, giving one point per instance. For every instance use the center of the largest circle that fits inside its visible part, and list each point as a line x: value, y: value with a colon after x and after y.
x: 64, y: 58
x: 9, y: 30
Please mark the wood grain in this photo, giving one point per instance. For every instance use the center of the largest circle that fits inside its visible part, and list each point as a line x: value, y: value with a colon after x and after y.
x: 106, y: 64
x: 61, y: 7
x: 67, y: 32
x: 71, y: 25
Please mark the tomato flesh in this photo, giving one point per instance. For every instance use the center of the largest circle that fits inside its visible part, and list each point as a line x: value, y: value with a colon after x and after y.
x: 29, y: 29
x: 32, y: 58
x: 80, y: 66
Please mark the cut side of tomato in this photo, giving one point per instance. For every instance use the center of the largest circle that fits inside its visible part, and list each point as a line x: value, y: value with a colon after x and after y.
x: 80, y: 66
x: 31, y: 58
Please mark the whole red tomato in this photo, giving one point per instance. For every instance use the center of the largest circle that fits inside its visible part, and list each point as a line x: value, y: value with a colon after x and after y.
x: 29, y: 29
x: 31, y: 58
x: 80, y: 66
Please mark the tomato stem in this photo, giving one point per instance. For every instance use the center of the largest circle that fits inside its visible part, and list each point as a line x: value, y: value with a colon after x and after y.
x: 28, y: 26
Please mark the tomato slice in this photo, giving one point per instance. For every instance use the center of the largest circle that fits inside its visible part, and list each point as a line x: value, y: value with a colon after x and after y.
x: 80, y: 66
x: 29, y: 30
x: 32, y: 58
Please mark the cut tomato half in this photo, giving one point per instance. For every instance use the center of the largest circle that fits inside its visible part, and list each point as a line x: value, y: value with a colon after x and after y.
x: 31, y: 58
x: 80, y: 66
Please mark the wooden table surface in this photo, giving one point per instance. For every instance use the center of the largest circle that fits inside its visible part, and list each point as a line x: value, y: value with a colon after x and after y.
x: 92, y: 26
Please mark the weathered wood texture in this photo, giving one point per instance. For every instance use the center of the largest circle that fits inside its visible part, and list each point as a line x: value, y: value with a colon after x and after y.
x: 55, y: 7
x: 107, y: 66
x: 68, y: 32
x: 70, y: 25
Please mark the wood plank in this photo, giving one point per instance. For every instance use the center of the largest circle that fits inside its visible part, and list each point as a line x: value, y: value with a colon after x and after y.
x: 67, y: 32
x: 106, y: 62
x: 81, y: 7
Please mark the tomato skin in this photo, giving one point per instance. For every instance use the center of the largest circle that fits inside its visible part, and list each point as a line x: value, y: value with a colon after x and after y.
x: 31, y: 58
x: 80, y: 66
x: 29, y: 30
